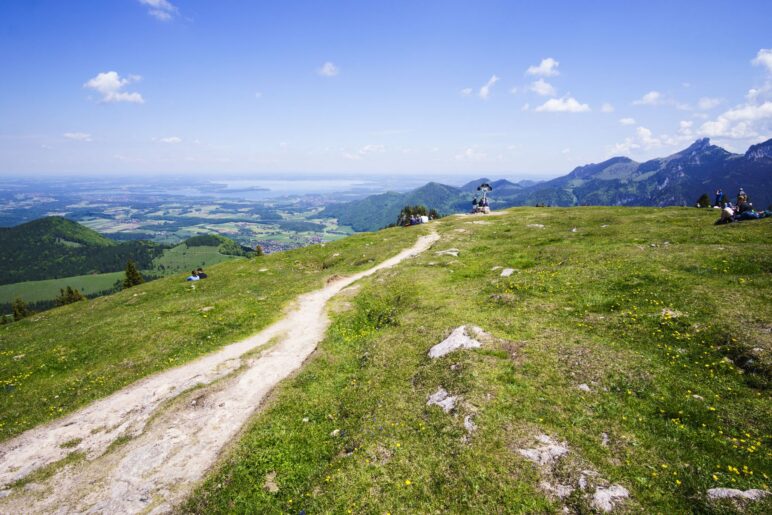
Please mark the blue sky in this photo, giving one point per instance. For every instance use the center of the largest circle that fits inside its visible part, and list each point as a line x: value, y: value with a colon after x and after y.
x: 512, y: 89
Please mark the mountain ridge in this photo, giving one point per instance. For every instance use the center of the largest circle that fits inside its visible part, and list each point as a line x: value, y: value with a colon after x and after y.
x: 674, y: 180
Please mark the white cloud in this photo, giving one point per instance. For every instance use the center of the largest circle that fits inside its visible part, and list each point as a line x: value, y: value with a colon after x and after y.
x: 110, y: 86
x: 328, y: 69
x: 485, y: 90
x: 513, y: 90
x: 173, y: 140
x: 606, y: 108
x: 160, y: 9
x: 652, y: 98
x: 543, y: 88
x: 764, y: 58
x: 77, y: 136
x: 547, y: 68
x: 563, y: 105
x: 707, y: 103
x: 741, y: 122
x: 472, y: 154
x: 371, y: 149
x: 646, y: 138
x: 627, y: 121
x: 466, y: 92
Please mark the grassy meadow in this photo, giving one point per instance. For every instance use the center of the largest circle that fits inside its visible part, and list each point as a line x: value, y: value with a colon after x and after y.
x: 56, y: 361
x: 34, y: 291
x: 664, y: 317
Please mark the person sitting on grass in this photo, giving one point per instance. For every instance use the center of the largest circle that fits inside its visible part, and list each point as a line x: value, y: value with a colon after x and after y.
x: 193, y: 276
x: 201, y: 274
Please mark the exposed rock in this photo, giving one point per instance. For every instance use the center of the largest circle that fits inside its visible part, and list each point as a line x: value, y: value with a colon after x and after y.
x: 335, y: 433
x: 583, y: 387
x: 535, y: 226
x: 469, y: 424
x: 732, y: 493
x: 547, y: 453
x: 573, y: 229
x: 270, y: 483
x: 442, y: 399
x: 497, y: 267
x: 206, y: 309
x: 448, y: 252
x: 698, y: 397
x: 263, y: 270
x: 604, y: 439
x: 459, y: 339
x: 507, y: 272
x: 558, y: 490
x: 605, y: 498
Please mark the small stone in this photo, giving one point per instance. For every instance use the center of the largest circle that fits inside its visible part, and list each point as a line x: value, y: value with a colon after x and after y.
x: 496, y: 268
x: 458, y: 339
x: 545, y: 454
x: 604, y: 498
x: 585, y: 388
x: 698, y: 397
x: 573, y: 229
x: 263, y: 270
x: 305, y: 420
x: 469, y: 424
x: 442, y: 399
x: 448, y: 252
x: 507, y: 272
x: 335, y: 433
x: 732, y: 493
x: 604, y: 439
x: 536, y: 226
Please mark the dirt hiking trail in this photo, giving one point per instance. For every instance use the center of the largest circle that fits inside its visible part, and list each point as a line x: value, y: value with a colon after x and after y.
x: 148, y: 445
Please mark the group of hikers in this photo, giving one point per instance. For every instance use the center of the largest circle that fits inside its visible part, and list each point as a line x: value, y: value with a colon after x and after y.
x: 197, y: 275
x: 742, y: 209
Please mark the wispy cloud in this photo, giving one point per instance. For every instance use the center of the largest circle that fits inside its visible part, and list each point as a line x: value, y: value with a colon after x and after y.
x: 160, y: 9
x: 708, y: 103
x: 606, y: 108
x: 328, y: 69
x: 546, y: 68
x: 652, y: 98
x: 764, y: 58
x: 466, y: 92
x: 77, y: 136
x: 627, y: 121
x: 110, y: 85
x: 562, y: 105
x: 485, y: 90
x: 543, y: 88
x: 173, y: 140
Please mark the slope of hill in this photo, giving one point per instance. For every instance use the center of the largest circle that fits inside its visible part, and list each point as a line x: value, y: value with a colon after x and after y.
x: 54, y: 247
x: 378, y: 211
x: 624, y: 360
x: 676, y: 180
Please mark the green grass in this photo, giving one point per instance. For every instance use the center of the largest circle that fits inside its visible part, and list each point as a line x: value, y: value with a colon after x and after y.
x: 643, y: 305
x: 34, y: 291
x: 181, y: 258
x: 58, y: 360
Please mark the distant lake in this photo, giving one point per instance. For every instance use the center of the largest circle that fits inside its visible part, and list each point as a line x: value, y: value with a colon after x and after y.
x: 256, y: 189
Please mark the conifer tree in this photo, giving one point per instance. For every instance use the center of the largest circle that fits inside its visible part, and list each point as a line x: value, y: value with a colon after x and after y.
x: 20, y: 309
x: 133, y: 277
x: 704, y: 200
x: 68, y: 296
